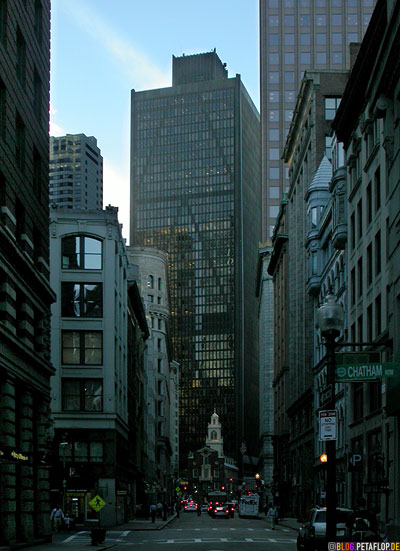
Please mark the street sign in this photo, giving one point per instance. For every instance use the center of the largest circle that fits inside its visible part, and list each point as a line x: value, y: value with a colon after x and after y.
x: 355, y: 462
x: 358, y: 358
x: 365, y: 372
x: 97, y: 503
x: 328, y: 424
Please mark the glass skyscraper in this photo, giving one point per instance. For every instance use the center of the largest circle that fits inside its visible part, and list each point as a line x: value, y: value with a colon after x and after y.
x: 296, y: 35
x: 195, y: 193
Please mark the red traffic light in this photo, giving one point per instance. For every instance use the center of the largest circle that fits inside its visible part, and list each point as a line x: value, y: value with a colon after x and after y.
x: 231, y: 479
x: 222, y: 487
x: 185, y: 487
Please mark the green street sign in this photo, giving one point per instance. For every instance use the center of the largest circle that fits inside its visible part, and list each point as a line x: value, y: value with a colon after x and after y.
x: 365, y: 372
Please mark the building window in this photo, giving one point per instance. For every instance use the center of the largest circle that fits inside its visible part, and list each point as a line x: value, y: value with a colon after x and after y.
x: 21, y: 57
x: 274, y: 175
x: 331, y: 106
x: 320, y: 58
x: 82, y: 300
x: 305, y: 58
x: 337, y: 39
x: 37, y: 95
x: 369, y: 264
x: 3, y: 22
x: 274, y: 154
x: 273, y: 58
x: 353, y: 286
x: 305, y: 22
x: 378, y: 316
x: 37, y: 172
x: 20, y: 142
x: 82, y: 452
x: 320, y: 20
x: 274, y: 115
x: 38, y: 20
x: 150, y: 282
x: 195, y: 473
x: 321, y: 39
x: 328, y: 147
x: 289, y: 77
x: 336, y: 20
x: 274, y: 134
x: 82, y: 394
x: 273, y: 77
x: 273, y: 96
x: 359, y: 219
x: 80, y: 252
x: 3, y: 108
x: 352, y: 19
x: 336, y: 58
x: 82, y: 347
x: 369, y: 204
x: 289, y: 39
x: 159, y: 284
x: 377, y: 184
x: 273, y: 39
x: 288, y: 21
x: 360, y: 276
x: 273, y: 21
x: 378, y: 253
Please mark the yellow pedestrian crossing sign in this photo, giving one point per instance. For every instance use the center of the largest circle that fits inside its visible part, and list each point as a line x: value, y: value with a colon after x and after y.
x: 97, y: 503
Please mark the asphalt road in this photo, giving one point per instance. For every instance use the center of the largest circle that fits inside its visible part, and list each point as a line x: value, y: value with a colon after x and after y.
x: 203, y: 533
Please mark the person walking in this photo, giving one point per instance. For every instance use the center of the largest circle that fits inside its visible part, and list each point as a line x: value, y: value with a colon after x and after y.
x: 57, y: 518
x: 272, y: 515
x: 153, y: 512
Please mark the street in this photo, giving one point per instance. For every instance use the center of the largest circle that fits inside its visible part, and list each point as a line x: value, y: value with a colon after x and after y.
x: 203, y: 532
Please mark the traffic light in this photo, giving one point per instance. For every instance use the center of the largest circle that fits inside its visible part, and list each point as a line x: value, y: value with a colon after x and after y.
x: 222, y: 488
x: 323, y: 458
x: 185, y: 487
x: 231, y: 479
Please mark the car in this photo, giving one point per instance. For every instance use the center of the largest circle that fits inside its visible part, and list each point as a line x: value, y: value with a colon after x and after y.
x: 232, y: 507
x: 312, y: 533
x: 190, y: 506
x: 204, y: 508
x: 220, y: 510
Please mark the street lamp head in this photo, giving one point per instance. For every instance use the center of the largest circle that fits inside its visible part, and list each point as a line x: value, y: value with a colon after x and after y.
x: 330, y: 317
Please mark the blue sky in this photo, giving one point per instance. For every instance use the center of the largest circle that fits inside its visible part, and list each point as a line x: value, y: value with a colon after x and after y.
x: 101, y: 49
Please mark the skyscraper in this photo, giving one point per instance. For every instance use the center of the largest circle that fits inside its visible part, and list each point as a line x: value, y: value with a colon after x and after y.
x: 76, y: 172
x: 195, y: 193
x: 296, y: 35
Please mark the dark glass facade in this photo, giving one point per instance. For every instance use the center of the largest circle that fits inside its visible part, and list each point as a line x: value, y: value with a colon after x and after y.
x: 195, y: 193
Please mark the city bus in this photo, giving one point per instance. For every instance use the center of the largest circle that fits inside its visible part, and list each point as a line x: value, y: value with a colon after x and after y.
x: 248, y: 505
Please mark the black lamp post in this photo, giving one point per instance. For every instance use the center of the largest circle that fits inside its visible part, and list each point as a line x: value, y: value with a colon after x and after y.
x: 64, y: 443
x: 330, y: 317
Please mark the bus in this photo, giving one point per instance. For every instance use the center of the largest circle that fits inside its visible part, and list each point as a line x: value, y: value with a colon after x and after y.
x: 216, y: 497
x: 248, y: 505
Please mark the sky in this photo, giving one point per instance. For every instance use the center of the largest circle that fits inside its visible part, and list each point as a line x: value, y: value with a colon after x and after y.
x: 102, y: 49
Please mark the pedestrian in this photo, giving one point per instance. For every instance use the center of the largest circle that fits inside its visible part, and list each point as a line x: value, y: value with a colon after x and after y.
x: 165, y: 510
x: 57, y: 518
x: 272, y: 515
x: 159, y: 509
x: 153, y: 512
x: 177, y: 508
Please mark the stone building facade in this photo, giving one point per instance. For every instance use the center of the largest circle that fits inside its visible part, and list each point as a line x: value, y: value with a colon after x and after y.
x: 25, y: 294
x: 367, y: 122
x: 161, y: 376
x: 91, y: 401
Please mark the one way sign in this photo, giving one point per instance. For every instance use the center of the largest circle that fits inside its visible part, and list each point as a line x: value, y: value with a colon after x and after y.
x: 355, y: 462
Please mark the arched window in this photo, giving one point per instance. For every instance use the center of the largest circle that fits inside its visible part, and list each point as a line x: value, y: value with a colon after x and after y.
x: 159, y: 284
x: 150, y: 282
x: 214, y: 435
x: 81, y: 252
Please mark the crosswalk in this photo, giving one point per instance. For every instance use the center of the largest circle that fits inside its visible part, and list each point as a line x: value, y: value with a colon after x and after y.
x: 177, y: 536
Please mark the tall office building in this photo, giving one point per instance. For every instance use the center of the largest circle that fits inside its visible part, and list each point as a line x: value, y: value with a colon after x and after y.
x: 76, y: 172
x: 296, y: 35
x: 25, y: 294
x: 195, y: 193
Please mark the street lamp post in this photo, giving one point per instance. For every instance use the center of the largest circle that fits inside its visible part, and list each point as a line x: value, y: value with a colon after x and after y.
x: 330, y: 318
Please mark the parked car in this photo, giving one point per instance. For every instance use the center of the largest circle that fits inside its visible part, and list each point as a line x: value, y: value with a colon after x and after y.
x: 312, y: 533
x: 231, y: 506
x: 220, y: 510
